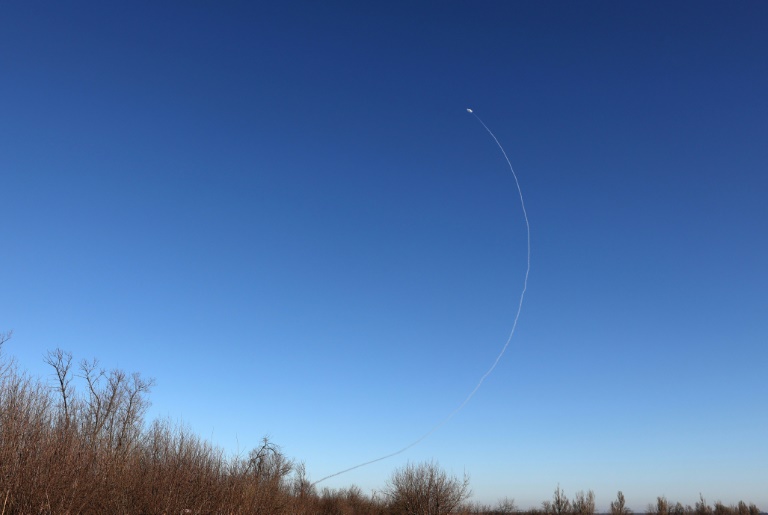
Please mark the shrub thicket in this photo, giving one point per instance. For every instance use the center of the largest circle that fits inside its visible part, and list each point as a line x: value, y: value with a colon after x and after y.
x: 68, y: 451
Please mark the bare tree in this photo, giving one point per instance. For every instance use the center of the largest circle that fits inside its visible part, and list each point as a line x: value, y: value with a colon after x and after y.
x: 115, y: 405
x: 584, y: 504
x: 661, y: 507
x: 559, y: 505
x: 618, y: 507
x: 267, y: 463
x: 131, y: 413
x: 269, y: 469
x: 5, y: 366
x: 61, y: 362
x: 702, y: 508
x: 426, y: 489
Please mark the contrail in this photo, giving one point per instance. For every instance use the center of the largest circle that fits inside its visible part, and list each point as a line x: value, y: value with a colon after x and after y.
x: 503, y: 349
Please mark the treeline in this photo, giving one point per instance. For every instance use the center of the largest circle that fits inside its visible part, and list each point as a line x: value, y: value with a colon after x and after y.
x: 584, y: 504
x: 67, y: 450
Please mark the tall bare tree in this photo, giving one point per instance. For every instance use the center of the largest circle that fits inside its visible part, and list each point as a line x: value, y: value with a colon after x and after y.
x: 61, y: 362
x: 702, y: 508
x: 618, y: 507
x: 269, y: 469
x: 661, y: 507
x: 559, y: 505
x: 115, y: 405
x: 4, y: 365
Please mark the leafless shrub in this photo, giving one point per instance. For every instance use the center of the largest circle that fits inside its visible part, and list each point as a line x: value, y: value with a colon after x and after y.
x: 475, y: 508
x: 347, y: 501
x: 426, y: 489
x: 302, y: 491
x: 25, y: 436
x: 503, y: 507
x: 64, y: 452
x: 721, y: 509
x: 677, y: 509
x: 506, y: 505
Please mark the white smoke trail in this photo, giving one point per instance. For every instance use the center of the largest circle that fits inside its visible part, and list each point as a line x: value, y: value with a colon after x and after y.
x: 503, y: 349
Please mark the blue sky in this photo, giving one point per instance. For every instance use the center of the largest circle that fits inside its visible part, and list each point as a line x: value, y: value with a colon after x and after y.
x: 283, y: 213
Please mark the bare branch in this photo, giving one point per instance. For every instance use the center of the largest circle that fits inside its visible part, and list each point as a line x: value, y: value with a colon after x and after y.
x: 61, y: 361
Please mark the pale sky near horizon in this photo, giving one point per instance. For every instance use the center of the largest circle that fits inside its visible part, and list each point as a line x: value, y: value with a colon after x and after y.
x: 284, y: 214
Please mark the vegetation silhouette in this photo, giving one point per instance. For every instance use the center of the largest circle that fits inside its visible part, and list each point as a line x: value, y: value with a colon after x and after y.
x: 68, y: 451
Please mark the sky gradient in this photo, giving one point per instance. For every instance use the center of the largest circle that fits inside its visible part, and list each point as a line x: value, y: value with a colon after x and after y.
x: 284, y: 214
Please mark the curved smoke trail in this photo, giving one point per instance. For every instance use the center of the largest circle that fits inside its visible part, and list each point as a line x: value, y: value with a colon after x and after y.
x: 503, y: 349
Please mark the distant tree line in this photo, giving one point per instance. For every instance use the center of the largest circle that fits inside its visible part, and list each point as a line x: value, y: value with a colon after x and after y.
x: 69, y: 451
x: 664, y: 507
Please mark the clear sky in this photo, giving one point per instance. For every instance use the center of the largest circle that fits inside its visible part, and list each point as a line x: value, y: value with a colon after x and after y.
x: 284, y: 214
